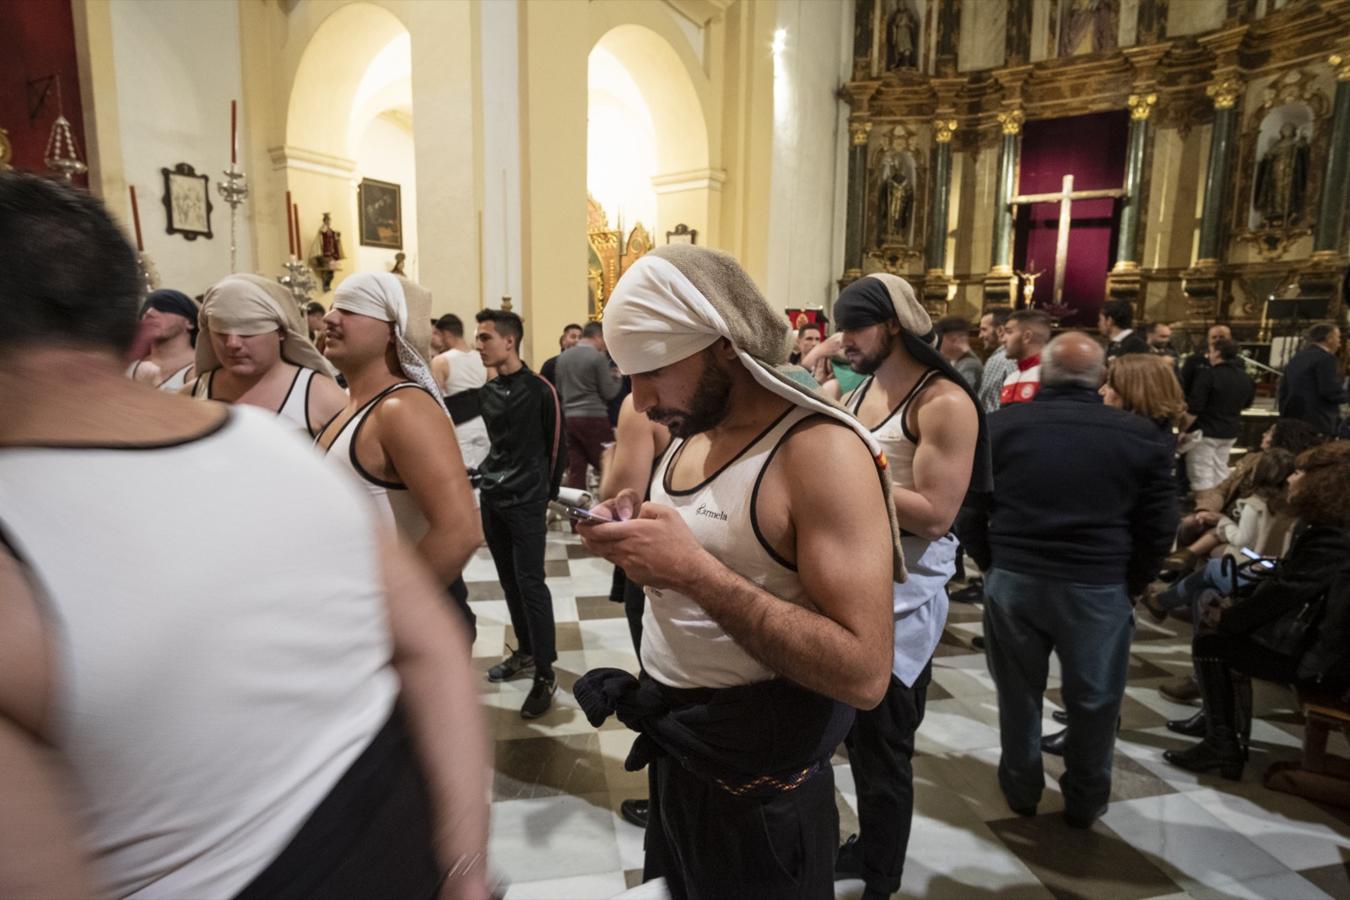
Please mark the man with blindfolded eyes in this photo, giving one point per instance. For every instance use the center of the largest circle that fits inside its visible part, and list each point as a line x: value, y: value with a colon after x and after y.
x: 929, y: 422
x: 169, y: 320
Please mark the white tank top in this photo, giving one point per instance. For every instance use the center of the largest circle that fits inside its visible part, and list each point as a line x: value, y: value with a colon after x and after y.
x: 466, y: 371
x: 394, y: 503
x: 211, y: 687
x: 920, y: 604
x: 681, y: 644
x: 174, y: 382
x: 294, y: 407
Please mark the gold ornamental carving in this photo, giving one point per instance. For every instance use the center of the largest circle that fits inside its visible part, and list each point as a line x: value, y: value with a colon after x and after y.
x: 1141, y: 105
x: 860, y: 132
x: 1225, y: 93
x: 1341, y: 63
x: 6, y: 150
x: 944, y: 129
x: 1011, y: 121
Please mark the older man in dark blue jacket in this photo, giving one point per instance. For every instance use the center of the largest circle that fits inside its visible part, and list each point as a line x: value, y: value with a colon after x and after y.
x: 1083, y: 510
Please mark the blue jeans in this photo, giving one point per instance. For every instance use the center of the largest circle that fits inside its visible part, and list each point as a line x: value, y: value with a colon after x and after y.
x: 1209, y: 576
x: 1089, y: 626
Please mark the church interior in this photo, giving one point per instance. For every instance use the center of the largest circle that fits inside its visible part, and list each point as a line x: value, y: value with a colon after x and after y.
x: 1189, y: 157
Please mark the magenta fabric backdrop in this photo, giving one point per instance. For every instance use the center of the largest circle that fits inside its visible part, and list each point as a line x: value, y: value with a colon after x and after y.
x: 1092, y: 149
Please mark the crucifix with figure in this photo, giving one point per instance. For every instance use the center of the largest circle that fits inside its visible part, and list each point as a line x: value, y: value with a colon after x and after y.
x: 1064, y: 198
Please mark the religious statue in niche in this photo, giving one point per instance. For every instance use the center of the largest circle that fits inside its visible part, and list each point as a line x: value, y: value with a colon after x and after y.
x: 895, y: 198
x: 1281, y: 186
x: 1089, y: 26
x: 902, y: 37
x: 329, y: 246
x: 399, y: 260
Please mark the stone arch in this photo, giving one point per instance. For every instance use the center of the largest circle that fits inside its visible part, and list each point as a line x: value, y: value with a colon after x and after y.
x: 667, y: 75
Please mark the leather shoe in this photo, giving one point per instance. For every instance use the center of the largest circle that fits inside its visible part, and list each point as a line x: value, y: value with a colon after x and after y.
x: 1054, y: 743
x: 635, y: 812
x: 1083, y: 820
x: 1061, y: 716
x: 1192, y: 727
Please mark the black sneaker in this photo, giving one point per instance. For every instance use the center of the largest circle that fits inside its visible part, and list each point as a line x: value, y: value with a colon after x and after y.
x: 541, y: 696
x: 635, y: 812
x: 973, y: 592
x: 513, y: 666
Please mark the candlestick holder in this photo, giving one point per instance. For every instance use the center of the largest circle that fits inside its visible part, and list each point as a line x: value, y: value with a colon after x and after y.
x: 233, y: 189
x: 149, y: 274
x: 299, y: 280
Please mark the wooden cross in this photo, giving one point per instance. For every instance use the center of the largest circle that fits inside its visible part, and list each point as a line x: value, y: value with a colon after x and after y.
x: 1065, y: 197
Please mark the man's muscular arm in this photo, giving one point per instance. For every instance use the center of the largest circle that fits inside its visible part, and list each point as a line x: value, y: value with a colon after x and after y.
x: 39, y: 853
x: 629, y: 464
x: 843, y: 556
x: 948, y: 428
x: 419, y: 440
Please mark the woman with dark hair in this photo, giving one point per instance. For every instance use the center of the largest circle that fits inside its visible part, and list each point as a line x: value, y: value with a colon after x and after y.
x: 1315, y: 573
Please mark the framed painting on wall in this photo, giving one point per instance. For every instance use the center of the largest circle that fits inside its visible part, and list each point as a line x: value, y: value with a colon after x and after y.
x: 187, y: 200
x: 380, y: 208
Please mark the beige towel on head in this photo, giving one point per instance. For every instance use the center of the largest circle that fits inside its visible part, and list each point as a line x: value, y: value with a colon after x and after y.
x: 679, y: 299
x: 405, y: 305
x: 249, y: 305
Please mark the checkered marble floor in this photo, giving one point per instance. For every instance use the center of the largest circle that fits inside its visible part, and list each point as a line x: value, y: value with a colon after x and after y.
x: 556, y: 832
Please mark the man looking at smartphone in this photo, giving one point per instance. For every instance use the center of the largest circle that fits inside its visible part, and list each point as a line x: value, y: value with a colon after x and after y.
x: 768, y: 599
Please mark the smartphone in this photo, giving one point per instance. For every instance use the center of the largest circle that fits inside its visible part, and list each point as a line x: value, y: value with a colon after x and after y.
x: 577, y: 514
x: 1252, y: 554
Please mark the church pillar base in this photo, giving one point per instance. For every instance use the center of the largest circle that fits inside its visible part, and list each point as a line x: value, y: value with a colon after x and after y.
x: 999, y: 286
x: 1123, y: 281
x: 936, y: 293
x: 1200, y: 283
x: 1322, y: 274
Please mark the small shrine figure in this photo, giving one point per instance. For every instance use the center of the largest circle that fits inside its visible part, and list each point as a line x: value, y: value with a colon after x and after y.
x: 399, y: 260
x: 329, y: 246
x: 895, y: 199
x: 1282, y: 178
x: 902, y: 38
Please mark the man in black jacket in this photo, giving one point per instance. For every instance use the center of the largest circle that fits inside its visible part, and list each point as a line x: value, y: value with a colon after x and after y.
x: 1083, y: 510
x: 1116, y: 323
x: 520, y: 475
x: 1213, y: 419
x: 1198, y: 359
x: 1311, y: 389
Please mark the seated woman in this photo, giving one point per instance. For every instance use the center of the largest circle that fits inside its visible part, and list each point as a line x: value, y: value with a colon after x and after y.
x: 1319, y: 494
x: 1264, y: 526
x: 1285, y: 434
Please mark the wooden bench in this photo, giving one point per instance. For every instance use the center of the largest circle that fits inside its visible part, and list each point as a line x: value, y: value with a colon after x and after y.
x: 1320, y: 775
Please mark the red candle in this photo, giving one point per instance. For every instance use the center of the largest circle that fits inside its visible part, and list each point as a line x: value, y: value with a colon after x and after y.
x: 290, y: 225
x: 136, y: 220
x: 299, y: 248
x: 234, y: 132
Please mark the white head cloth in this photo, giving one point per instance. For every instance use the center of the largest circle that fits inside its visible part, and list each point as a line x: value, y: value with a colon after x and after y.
x: 380, y: 295
x: 249, y: 305
x: 677, y: 300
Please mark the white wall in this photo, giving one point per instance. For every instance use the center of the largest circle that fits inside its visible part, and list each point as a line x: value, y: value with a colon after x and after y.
x: 385, y: 152
x: 500, y: 130
x: 177, y: 71
x: 809, y: 140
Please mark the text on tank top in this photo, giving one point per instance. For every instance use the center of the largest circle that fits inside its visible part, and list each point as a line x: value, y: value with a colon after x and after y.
x: 394, y: 503
x: 269, y: 678
x: 681, y: 644
x: 893, y: 434
x: 294, y: 407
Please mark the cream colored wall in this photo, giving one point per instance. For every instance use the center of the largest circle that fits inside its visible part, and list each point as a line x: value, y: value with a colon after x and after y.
x: 555, y: 41
x: 499, y: 126
x: 1172, y: 218
x: 385, y: 152
x: 302, y: 64
x: 148, y: 107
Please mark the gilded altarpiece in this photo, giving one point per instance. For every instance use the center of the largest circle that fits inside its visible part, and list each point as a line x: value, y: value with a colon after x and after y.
x: 1265, y: 68
x: 609, y: 251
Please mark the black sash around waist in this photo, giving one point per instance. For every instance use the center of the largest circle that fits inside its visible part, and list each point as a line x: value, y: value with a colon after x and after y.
x: 752, y: 740
x: 371, y: 836
x: 464, y: 405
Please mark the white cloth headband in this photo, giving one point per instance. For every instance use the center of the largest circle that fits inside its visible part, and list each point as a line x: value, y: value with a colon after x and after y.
x: 380, y: 295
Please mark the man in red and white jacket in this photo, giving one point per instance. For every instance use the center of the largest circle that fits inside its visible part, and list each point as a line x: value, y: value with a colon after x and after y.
x: 1027, y: 332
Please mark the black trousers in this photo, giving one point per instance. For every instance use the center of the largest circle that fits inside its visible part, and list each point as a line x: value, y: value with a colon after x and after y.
x: 1246, y: 656
x: 516, y: 536
x: 710, y: 844
x: 880, y: 751
x: 459, y: 597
